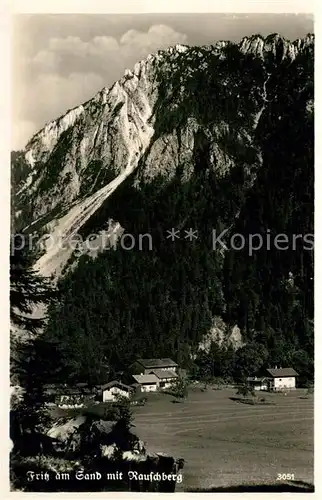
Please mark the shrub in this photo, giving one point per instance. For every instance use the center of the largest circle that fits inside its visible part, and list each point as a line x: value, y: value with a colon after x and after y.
x: 245, y: 390
x: 179, y: 389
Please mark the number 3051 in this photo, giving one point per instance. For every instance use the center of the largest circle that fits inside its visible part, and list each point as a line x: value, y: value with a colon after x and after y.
x: 285, y: 477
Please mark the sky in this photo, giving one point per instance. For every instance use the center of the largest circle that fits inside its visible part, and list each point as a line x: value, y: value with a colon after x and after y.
x: 62, y: 60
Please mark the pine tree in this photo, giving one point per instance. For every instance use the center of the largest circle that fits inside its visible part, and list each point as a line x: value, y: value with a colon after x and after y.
x: 30, y: 357
x: 27, y: 290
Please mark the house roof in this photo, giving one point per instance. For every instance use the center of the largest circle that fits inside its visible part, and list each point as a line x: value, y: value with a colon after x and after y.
x: 256, y: 379
x: 146, y: 379
x: 54, y: 388
x: 157, y: 363
x: 161, y: 374
x: 63, y: 389
x: 282, y: 372
x: 104, y: 426
x: 75, y: 391
x: 114, y: 383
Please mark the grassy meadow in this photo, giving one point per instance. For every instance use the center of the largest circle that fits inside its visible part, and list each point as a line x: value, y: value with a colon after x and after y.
x: 226, y: 443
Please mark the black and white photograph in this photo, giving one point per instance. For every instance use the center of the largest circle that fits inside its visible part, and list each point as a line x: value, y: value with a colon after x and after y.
x: 162, y: 252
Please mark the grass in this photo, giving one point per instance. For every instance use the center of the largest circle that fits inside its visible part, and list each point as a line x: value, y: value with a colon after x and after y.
x: 225, y: 444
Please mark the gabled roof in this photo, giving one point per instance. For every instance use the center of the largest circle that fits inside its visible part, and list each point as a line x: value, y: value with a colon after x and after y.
x: 70, y: 391
x: 282, y: 372
x: 63, y: 389
x: 116, y: 383
x: 256, y: 379
x: 146, y: 379
x: 161, y: 374
x: 157, y: 363
x: 104, y: 426
x: 76, y: 391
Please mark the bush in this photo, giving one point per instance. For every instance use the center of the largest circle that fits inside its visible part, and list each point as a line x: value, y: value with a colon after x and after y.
x: 179, y: 389
x: 245, y: 390
x: 218, y: 383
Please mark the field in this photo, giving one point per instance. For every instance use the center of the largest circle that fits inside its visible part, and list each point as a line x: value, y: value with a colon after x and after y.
x: 226, y: 443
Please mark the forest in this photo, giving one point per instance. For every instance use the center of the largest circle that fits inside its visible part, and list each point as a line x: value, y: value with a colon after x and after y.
x: 160, y: 302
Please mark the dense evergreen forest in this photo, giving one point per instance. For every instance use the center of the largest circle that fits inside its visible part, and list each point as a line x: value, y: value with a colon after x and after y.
x: 160, y: 301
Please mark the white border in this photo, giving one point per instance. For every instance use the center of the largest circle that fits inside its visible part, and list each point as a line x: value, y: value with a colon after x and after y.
x: 162, y: 6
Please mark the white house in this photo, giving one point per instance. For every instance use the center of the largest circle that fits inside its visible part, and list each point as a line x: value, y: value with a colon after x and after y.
x: 166, y: 377
x: 147, y: 383
x: 145, y: 366
x: 280, y: 379
x: 68, y: 397
x: 111, y: 390
x: 257, y: 383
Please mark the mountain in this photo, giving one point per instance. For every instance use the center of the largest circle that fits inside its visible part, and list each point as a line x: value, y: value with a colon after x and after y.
x: 210, y: 139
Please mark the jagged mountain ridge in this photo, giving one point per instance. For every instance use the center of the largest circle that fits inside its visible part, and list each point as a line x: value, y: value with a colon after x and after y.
x: 217, y: 137
x: 77, y: 161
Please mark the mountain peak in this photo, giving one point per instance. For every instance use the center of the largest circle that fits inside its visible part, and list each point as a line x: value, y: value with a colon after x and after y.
x: 178, y: 48
x: 274, y: 44
x: 157, y: 110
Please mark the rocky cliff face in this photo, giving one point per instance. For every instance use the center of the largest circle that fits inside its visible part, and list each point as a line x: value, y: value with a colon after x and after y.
x: 275, y: 47
x: 77, y: 161
x: 200, y: 122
